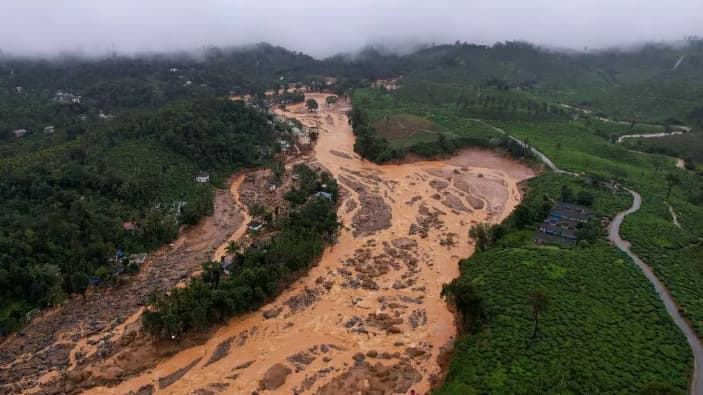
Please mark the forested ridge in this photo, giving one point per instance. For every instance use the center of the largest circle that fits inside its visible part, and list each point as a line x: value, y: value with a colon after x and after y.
x: 64, y: 206
x: 256, y: 274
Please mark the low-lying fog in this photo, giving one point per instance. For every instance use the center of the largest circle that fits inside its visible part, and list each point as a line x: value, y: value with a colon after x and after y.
x: 325, y: 27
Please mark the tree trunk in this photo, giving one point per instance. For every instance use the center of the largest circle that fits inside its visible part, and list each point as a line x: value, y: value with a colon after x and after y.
x: 534, y: 334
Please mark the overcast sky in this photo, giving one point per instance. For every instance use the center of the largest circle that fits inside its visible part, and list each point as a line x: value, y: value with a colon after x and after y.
x: 324, y: 27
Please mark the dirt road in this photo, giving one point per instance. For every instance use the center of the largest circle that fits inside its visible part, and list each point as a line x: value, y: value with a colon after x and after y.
x: 371, y: 309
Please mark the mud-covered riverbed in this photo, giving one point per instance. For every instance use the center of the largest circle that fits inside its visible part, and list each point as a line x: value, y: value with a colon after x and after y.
x: 369, y: 316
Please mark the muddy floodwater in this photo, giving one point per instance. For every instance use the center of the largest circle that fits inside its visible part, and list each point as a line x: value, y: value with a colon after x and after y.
x: 369, y: 315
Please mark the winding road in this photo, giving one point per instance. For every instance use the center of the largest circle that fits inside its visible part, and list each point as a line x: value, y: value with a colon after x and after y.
x: 695, y: 386
x: 542, y: 157
x: 614, y: 236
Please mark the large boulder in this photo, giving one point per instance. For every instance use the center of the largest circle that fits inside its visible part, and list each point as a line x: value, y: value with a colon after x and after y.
x: 274, y: 377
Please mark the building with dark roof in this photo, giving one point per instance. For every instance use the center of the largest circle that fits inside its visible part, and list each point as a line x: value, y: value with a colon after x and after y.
x: 562, y: 223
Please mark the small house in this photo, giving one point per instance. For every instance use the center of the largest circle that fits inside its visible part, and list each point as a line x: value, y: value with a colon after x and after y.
x: 569, y: 211
x: 556, y: 230
x: 49, y: 129
x: 20, y: 133
x: 323, y: 195
x: 255, y: 226
x: 202, y: 178
x: 611, y: 185
x: 67, y: 97
x: 19, y: 89
x: 272, y: 187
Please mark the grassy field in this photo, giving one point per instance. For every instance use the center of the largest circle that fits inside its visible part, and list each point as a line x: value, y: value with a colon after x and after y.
x: 396, y: 119
x: 401, y: 126
x: 604, y: 332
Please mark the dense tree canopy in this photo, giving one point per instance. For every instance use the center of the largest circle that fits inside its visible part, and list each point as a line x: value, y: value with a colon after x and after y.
x: 64, y: 206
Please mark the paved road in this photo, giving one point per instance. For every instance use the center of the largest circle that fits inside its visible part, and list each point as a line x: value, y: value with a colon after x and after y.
x: 696, y: 387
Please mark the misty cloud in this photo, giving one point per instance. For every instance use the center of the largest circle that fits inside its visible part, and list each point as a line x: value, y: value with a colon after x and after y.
x: 325, y: 27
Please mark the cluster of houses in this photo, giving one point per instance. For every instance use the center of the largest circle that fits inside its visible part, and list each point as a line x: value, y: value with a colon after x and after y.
x: 67, y: 97
x: 23, y: 132
x: 561, y: 224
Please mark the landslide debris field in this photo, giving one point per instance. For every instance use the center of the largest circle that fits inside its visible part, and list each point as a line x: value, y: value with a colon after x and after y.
x: 82, y: 331
x: 367, y: 319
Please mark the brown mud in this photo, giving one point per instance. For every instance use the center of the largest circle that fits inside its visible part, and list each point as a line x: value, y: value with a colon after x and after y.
x: 369, y: 317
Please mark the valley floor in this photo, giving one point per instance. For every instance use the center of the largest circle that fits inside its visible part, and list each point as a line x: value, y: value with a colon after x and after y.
x: 372, y: 306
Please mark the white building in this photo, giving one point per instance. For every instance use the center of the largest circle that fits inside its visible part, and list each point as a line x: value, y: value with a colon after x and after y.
x: 20, y: 132
x: 202, y: 178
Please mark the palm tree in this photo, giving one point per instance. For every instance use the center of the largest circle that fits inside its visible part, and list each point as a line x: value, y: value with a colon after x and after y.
x: 539, y: 301
x: 232, y: 248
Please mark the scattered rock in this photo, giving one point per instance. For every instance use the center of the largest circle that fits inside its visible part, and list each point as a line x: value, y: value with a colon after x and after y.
x: 273, y: 313
x: 367, y: 379
x: 144, y: 390
x: 404, y: 243
x: 414, y: 352
x: 221, y: 351
x: 244, y: 365
x: 175, y: 376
